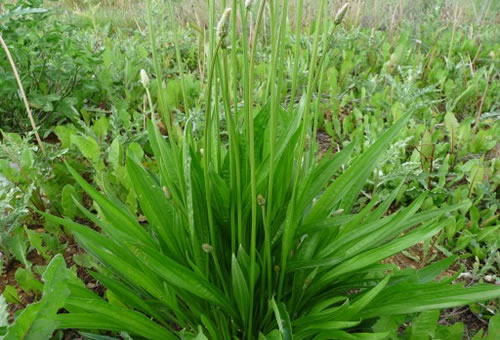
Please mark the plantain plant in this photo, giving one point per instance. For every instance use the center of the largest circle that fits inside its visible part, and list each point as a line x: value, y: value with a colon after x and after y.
x: 247, y: 233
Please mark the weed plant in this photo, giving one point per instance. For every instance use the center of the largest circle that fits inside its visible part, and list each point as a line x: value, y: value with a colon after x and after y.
x: 247, y: 232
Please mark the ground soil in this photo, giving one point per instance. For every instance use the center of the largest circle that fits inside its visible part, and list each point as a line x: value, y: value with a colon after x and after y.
x: 473, y: 323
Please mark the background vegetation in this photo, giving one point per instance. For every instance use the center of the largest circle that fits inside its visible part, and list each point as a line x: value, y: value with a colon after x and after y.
x: 432, y: 66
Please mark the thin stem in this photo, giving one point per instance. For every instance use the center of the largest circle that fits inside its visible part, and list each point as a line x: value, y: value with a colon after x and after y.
x: 277, y: 59
x: 316, y: 113
x: 253, y: 181
x: 327, y: 37
x: 289, y: 230
x: 23, y: 95
x: 453, y: 32
x: 296, y: 54
x: 235, y: 146
x: 480, y: 110
x: 163, y: 108
x: 267, y: 250
x: 178, y: 57
x: 207, y: 157
x: 246, y: 101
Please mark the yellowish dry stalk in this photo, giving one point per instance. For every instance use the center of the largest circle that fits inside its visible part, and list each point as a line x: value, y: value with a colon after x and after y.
x: 145, y: 82
x: 358, y: 13
x: 455, y: 20
x: 400, y: 11
x: 393, y: 23
x: 480, y: 110
x: 26, y: 103
x: 141, y: 31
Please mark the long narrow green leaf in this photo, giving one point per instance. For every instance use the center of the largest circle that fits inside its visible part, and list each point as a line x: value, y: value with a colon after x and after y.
x: 282, y: 319
x: 183, y: 277
x: 430, y: 272
x: 118, y: 259
x: 325, y: 327
x: 361, y: 303
x: 156, y: 208
x: 240, y: 288
x: 426, y: 299
x: 109, y: 229
x: 128, y: 320
x: 347, y: 185
x: 189, y: 200
x: 377, y: 254
x: 346, y: 250
x: 390, y: 230
x: 320, y: 176
x: 343, y: 335
x: 321, y: 316
x: 331, y: 222
x: 128, y: 296
x: 382, y: 208
x: 93, y: 321
x: 113, y: 213
x: 364, y: 229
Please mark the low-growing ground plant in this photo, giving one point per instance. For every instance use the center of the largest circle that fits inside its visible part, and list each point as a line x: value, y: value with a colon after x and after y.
x: 57, y: 67
x: 241, y: 231
x: 220, y: 212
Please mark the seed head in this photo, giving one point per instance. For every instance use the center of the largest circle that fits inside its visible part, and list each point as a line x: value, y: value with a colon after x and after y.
x: 341, y: 14
x: 167, y: 192
x: 338, y: 212
x: 249, y: 4
x: 223, y: 25
x: 207, y: 248
x: 307, y: 283
x: 144, y: 78
x: 261, y: 200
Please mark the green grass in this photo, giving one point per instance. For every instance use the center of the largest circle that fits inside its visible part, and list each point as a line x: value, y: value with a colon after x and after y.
x: 234, y: 225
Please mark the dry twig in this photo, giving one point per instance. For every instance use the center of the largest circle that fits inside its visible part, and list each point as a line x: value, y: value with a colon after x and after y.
x: 26, y: 103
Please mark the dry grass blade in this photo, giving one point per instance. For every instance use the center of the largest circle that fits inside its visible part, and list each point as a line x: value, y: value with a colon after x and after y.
x: 26, y: 103
x: 480, y: 110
